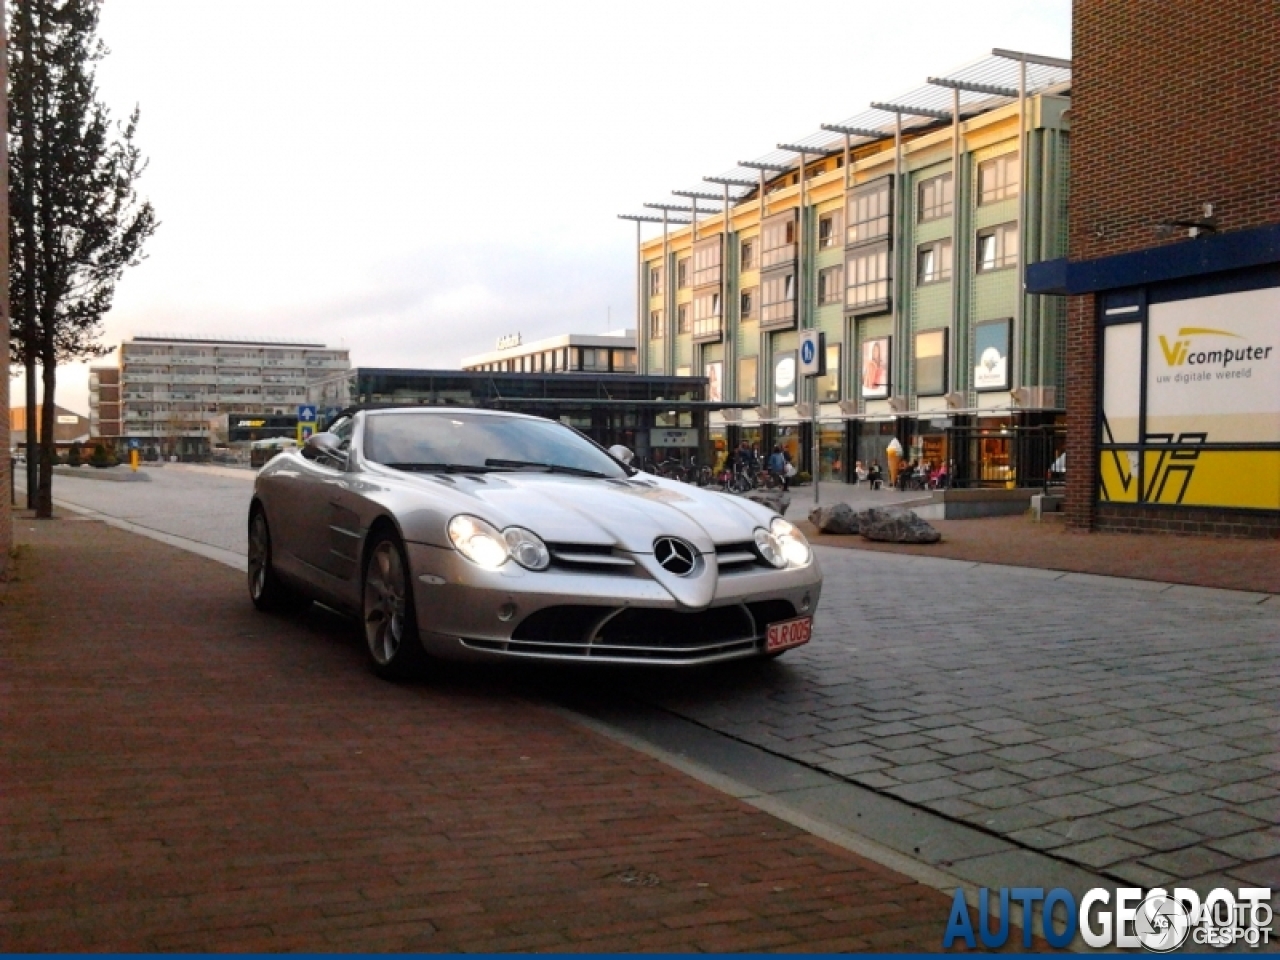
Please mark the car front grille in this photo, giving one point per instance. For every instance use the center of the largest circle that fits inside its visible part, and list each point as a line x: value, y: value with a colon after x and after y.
x: 640, y: 634
x: 603, y: 559
x: 590, y: 558
x: 736, y: 557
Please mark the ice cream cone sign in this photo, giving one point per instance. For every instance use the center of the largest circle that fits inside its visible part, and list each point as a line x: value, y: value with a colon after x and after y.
x: 893, y: 453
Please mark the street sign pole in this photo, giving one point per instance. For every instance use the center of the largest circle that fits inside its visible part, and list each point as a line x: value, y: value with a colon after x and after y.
x: 813, y: 364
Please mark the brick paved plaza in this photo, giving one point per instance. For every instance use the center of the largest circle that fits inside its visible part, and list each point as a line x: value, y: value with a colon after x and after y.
x: 1004, y: 723
x: 182, y: 773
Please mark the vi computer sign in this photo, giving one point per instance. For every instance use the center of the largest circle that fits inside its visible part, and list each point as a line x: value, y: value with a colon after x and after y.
x: 1213, y: 367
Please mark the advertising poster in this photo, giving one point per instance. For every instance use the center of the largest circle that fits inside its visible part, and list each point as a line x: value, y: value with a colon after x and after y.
x: 875, y: 368
x: 931, y: 363
x: 991, y: 355
x: 784, y: 379
x: 714, y: 373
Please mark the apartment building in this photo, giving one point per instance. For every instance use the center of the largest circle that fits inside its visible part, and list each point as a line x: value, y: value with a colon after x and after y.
x: 1173, y: 272
x: 901, y: 235
x: 168, y: 392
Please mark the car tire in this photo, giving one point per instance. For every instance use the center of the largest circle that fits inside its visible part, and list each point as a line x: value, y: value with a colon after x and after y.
x: 387, y: 613
x: 266, y: 589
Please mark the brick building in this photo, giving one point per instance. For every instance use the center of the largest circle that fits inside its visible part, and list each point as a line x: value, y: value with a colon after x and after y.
x: 1173, y: 268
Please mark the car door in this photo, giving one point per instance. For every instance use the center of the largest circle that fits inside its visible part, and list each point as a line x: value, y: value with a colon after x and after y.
x: 335, y: 534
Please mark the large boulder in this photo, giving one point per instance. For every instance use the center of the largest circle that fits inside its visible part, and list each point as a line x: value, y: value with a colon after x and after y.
x: 837, y: 518
x: 775, y: 500
x: 896, y: 526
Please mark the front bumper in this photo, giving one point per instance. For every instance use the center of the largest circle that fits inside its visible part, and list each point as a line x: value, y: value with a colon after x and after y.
x: 466, y: 612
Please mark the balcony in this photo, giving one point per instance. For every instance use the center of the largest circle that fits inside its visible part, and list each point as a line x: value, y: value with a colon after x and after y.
x: 708, y: 329
x: 778, y: 316
x: 783, y: 256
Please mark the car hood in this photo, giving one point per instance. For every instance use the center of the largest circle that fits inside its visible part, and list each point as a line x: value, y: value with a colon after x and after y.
x: 629, y: 514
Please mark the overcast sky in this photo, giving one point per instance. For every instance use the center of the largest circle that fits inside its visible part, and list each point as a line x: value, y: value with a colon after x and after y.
x: 412, y: 180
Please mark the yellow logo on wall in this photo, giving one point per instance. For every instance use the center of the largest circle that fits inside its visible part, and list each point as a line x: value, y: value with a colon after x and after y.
x: 1179, y: 351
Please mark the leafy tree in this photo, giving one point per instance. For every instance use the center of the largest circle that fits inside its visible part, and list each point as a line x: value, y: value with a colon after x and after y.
x: 74, y: 454
x: 76, y: 220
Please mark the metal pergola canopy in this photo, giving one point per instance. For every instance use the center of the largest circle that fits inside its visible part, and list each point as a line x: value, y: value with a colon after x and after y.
x: 985, y: 84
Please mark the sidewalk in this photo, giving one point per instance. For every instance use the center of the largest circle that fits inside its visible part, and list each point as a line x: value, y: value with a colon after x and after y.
x: 185, y: 774
x: 1229, y: 564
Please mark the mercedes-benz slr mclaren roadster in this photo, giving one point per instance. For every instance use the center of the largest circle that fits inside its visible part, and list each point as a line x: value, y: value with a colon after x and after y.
x: 482, y: 534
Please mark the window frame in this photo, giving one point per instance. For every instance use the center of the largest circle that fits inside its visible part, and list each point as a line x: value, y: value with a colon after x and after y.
x: 779, y: 230
x: 877, y: 221
x: 834, y: 219
x: 1006, y: 249
x: 1007, y: 168
x: 771, y: 315
x: 683, y: 272
x: 829, y: 292
x: 942, y: 249
x: 684, y: 319
x: 747, y: 254
x: 881, y: 252
x: 656, y: 324
x: 940, y: 208
x: 655, y: 281
x: 707, y: 261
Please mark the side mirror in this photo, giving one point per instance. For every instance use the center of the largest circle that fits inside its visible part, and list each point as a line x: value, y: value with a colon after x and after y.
x: 323, y: 445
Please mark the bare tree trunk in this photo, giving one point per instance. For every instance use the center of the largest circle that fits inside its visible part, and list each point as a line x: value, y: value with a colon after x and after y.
x: 48, y: 417
x: 32, y: 447
x: 6, y: 507
x: 29, y: 253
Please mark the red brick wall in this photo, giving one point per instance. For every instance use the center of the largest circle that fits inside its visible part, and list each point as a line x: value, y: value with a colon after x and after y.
x: 1082, y: 421
x: 1174, y: 104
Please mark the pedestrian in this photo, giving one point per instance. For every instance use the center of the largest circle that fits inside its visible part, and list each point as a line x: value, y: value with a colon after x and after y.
x: 874, y: 476
x: 777, y: 465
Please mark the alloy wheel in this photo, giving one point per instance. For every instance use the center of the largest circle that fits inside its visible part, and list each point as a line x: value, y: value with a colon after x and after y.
x: 384, y: 603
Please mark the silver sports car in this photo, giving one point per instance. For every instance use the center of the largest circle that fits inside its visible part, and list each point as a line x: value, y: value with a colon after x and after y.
x: 482, y: 534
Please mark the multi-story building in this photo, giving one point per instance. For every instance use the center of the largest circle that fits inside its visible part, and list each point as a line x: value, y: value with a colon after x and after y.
x: 568, y: 353
x: 167, y: 391
x: 1173, y: 271
x: 900, y: 234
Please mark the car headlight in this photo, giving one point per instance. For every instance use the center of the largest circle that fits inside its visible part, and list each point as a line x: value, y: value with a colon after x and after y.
x: 485, y: 546
x: 769, y: 547
x: 478, y: 541
x: 527, y: 548
x: 782, y: 544
x: 794, y: 546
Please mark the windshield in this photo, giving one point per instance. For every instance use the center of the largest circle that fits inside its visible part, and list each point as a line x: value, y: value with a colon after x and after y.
x: 482, y: 442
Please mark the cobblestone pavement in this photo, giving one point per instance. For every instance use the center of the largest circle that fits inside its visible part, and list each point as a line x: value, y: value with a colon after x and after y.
x: 182, y: 773
x: 1126, y: 726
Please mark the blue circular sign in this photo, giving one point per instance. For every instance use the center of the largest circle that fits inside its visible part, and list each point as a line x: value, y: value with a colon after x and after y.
x: 807, y: 351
